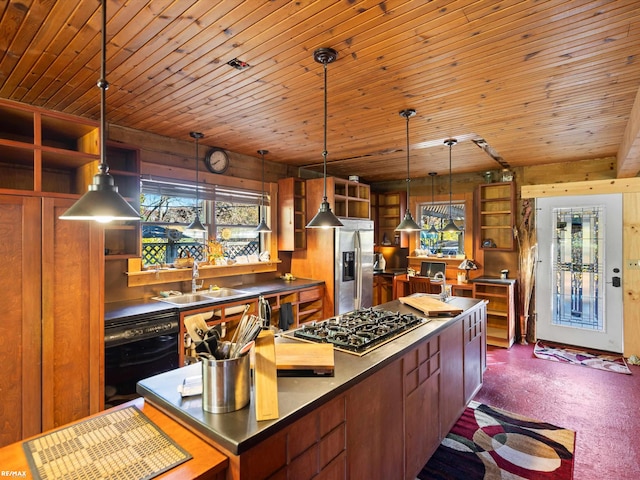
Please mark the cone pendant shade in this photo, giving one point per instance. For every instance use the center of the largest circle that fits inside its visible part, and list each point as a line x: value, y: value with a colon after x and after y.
x: 408, y: 224
x: 102, y: 202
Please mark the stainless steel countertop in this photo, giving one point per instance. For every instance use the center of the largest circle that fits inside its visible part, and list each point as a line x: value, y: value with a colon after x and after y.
x: 238, y: 431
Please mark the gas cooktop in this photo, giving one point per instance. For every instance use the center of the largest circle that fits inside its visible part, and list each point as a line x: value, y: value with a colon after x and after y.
x: 358, y: 332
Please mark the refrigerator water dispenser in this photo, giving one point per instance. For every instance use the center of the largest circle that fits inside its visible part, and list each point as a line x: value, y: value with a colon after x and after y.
x: 348, y: 266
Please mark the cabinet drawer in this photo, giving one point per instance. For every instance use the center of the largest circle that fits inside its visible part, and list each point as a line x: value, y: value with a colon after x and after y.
x: 311, y: 294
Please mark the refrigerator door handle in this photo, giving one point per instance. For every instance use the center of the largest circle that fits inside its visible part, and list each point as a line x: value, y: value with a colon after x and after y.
x: 358, y: 268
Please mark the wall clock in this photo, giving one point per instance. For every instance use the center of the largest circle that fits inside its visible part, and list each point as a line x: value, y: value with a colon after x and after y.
x: 217, y: 160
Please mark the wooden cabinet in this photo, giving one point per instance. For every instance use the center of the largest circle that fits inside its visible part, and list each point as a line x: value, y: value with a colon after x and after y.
x: 42, y: 150
x: 474, y: 343
x: 388, y: 210
x: 423, y: 403
x: 496, y: 216
x: 306, y: 304
x: 382, y: 289
x: 122, y: 239
x: 52, y: 332
x: 292, y: 208
x: 310, y: 305
x: 347, y: 199
x: 45, y: 151
x: 500, y: 330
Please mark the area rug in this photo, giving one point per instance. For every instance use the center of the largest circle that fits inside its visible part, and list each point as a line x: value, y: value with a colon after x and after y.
x: 579, y: 356
x: 487, y: 443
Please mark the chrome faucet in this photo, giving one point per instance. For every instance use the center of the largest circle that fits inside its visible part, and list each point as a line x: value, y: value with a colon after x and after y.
x: 444, y: 294
x: 194, y: 276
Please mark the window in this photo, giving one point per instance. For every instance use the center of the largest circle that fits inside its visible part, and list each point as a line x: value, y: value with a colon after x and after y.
x: 433, y: 218
x: 230, y: 215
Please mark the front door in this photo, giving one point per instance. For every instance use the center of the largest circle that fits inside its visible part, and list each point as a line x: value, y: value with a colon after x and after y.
x: 578, y: 276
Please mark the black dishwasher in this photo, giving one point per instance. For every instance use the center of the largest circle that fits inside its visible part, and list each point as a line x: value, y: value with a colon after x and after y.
x: 138, y: 347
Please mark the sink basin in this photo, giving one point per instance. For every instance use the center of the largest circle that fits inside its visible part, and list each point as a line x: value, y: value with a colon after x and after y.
x: 185, y: 299
x: 223, y: 293
x: 205, y: 296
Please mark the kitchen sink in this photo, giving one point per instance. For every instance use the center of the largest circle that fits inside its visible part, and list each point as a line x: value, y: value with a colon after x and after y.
x: 185, y: 299
x: 223, y: 292
x: 204, y: 296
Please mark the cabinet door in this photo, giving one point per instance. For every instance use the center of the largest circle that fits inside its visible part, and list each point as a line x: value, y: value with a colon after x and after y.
x: 474, y: 354
x: 422, y: 380
x: 20, y: 326
x: 452, y: 401
x: 72, y: 316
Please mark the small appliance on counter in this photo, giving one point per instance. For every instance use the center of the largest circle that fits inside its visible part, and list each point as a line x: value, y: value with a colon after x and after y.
x: 379, y: 263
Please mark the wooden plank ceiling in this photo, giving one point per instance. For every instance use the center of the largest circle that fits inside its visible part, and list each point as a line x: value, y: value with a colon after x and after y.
x: 538, y: 81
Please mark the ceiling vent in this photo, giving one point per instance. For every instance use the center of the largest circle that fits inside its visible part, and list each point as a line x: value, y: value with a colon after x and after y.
x: 238, y: 64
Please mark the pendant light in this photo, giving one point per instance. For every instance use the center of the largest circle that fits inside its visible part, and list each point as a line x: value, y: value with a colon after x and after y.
x: 102, y: 202
x: 433, y: 229
x: 325, y: 217
x: 262, y: 226
x: 408, y: 224
x: 451, y: 226
x: 195, y: 228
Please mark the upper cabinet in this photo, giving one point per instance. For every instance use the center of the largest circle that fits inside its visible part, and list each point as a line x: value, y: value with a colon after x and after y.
x: 388, y: 211
x: 49, y: 152
x: 122, y: 239
x: 347, y: 199
x: 496, y: 216
x: 42, y: 151
x: 292, y: 209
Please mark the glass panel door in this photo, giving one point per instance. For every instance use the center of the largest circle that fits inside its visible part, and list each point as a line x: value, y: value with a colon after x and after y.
x: 577, y: 268
x: 578, y: 275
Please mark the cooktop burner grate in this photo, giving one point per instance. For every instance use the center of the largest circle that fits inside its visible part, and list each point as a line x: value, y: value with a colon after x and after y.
x: 359, y: 331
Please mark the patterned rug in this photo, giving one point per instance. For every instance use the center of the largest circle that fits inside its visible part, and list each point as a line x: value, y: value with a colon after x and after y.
x: 487, y: 443
x: 578, y: 356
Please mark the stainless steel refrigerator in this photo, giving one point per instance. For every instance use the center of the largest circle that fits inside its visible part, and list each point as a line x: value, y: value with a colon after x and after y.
x: 353, y: 265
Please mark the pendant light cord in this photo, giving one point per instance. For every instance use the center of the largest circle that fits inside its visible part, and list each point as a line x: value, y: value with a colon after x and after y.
x: 408, y: 176
x: 324, y: 149
x: 450, y: 185
x: 197, y: 177
x: 262, y: 196
x: 104, y: 86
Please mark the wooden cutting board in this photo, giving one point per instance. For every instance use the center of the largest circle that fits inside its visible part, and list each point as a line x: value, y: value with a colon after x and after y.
x: 304, y: 358
x: 265, y: 377
x: 432, y: 307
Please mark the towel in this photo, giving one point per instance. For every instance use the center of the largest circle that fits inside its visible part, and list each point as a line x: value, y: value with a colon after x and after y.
x: 286, y: 316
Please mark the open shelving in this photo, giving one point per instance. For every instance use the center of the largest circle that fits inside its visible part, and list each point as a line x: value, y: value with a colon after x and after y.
x: 496, y: 211
x: 44, y: 151
x: 500, y: 299
x: 292, y: 205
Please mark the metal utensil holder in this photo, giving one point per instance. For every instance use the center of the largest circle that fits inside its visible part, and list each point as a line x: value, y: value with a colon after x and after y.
x: 226, y: 384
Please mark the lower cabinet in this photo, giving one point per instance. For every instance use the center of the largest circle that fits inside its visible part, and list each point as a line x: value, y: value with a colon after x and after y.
x: 501, y: 310
x: 386, y: 426
x: 305, y: 305
x: 422, y: 376
x: 51, y: 333
x: 382, y: 289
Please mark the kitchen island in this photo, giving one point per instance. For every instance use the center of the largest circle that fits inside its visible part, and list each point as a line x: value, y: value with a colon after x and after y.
x: 381, y: 415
